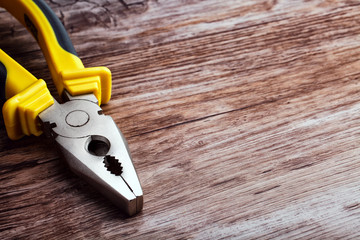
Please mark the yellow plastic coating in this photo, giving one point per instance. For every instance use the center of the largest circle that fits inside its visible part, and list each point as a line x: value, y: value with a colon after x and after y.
x: 21, y: 111
x: 18, y: 78
x: 27, y: 97
x: 79, y: 82
x: 62, y: 64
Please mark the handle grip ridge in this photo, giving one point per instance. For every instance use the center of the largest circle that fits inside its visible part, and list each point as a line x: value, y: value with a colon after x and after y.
x: 27, y: 97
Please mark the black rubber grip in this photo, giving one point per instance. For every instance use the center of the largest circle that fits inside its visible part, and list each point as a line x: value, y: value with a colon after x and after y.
x: 59, y: 29
x: 3, y: 76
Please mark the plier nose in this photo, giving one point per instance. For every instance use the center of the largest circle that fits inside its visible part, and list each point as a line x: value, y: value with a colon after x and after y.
x: 90, y: 141
x: 95, y: 149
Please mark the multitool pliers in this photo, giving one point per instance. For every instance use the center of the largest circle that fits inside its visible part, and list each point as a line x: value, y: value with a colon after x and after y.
x: 90, y: 141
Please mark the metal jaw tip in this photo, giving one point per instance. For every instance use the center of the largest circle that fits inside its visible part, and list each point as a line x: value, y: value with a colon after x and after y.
x: 95, y: 149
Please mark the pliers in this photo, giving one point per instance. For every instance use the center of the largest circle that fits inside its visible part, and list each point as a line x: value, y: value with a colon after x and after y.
x: 89, y: 140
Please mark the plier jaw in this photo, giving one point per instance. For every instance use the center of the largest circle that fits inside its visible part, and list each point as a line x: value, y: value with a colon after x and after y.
x: 95, y: 149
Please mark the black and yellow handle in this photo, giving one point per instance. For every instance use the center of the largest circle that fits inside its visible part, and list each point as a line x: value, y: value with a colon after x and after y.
x: 26, y: 95
x: 65, y: 66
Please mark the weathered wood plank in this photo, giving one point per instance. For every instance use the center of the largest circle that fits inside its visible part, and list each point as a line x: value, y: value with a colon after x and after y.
x: 242, y: 117
x: 229, y: 71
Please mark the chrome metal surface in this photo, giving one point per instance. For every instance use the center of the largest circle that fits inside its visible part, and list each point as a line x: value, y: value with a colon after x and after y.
x: 92, y: 144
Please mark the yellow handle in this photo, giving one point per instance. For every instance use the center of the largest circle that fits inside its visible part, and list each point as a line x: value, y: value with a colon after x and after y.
x: 15, y: 78
x: 27, y: 97
x: 65, y: 66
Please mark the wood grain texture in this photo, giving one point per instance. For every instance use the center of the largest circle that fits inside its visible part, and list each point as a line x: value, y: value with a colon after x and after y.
x: 243, y: 119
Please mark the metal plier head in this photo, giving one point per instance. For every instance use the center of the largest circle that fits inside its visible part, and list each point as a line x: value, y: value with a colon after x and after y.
x: 90, y: 141
x: 95, y: 149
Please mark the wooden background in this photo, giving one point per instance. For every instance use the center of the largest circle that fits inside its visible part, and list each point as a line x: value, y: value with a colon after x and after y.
x: 243, y: 118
